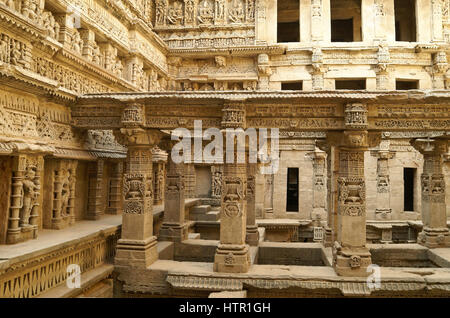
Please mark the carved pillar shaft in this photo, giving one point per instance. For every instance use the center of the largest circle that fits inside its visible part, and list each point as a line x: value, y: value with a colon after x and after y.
x: 383, y: 210
x: 435, y: 231
x: 232, y: 254
x: 137, y: 246
x: 316, y: 20
x: 380, y: 20
x: 16, y: 200
x: 319, y: 189
x: 95, y: 198
x: 252, y: 234
x: 115, y: 204
x: 436, y: 30
x: 350, y: 254
x: 174, y: 225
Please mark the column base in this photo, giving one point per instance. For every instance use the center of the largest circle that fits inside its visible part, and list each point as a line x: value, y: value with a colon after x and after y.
x: 328, y: 237
x: 433, y: 238
x: 24, y: 233
x: 136, y: 253
x: 351, y: 262
x: 173, y: 232
x: 252, y: 235
x: 231, y: 258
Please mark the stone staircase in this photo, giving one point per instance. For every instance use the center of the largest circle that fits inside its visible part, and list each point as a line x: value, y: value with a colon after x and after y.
x: 204, y: 212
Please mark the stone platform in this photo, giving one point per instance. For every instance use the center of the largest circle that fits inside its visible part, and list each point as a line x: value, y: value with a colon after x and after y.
x: 171, y: 278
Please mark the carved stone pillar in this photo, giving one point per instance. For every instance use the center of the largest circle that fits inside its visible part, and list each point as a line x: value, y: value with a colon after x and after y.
x: 380, y: 20
x: 350, y: 254
x: 96, y: 191
x: 383, y: 209
x: 331, y: 196
x: 316, y: 20
x: 252, y: 234
x: 261, y: 24
x: 319, y: 190
x: 159, y: 166
x: 190, y: 180
x: 25, y: 206
x: 435, y: 232
x: 268, y: 199
x: 436, y: 24
x: 174, y: 226
x: 137, y: 246
x: 115, y: 202
x: 232, y: 254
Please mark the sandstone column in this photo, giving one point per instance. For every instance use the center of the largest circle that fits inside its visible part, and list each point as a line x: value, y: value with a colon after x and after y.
x: 350, y: 254
x: 174, y: 226
x: 330, y: 228
x: 319, y: 194
x: 436, y: 25
x: 252, y: 234
x: 435, y: 232
x: 383, y: 209
x: 137, y: 246
x: 96, y: 193
x: 232, y: 254
x: 317, y: 23
x: 115, y: 205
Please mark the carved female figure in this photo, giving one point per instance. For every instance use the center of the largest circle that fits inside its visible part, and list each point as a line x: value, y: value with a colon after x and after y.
x: 175, y: 13
x: 4, y: 49
x: 30, y: 189
x: 236, y: 13
x: 220, y: 10
x: 65, y: 193
x: 205, y: 12
x: 189, y: 11
x: 15, y: 53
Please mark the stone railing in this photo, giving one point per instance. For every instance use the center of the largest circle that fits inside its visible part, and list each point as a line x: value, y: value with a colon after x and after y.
x: 39, y: 273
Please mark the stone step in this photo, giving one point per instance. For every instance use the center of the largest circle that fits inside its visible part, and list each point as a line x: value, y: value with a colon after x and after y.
x: 193, y: 236
x: 212, y: 216
x: 200, y: 209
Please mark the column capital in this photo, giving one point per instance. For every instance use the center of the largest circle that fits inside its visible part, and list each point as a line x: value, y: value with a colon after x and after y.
x: 141, y: 137
x: 435, y: 146
x: 352, y: 139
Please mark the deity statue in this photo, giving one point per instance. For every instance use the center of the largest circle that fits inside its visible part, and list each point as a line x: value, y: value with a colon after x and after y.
x: 205, y: 12
x: 30, y: 194
x: 236, y: 13
x: 65, y: 193
x: 217, y: 184
x: 175, y: 13
x: 4, y: 48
